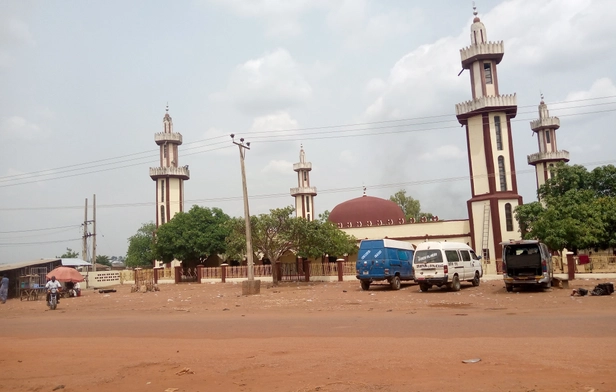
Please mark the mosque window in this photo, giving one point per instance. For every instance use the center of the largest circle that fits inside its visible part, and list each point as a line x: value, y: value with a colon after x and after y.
x: 305, y: 176
x: 508, y: 217
x: 499, y: 138
x: 547, y: 136
x: 308, y: 203
x: 162, y: 215
x: 165, y: 151
x: 501, y: 173
x: 487, y: 71
x: 162, y: 190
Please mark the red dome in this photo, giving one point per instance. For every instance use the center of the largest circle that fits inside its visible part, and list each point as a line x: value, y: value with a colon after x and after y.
x: 369, y: 211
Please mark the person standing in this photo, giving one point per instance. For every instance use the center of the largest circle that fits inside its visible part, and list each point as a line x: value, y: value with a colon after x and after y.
x: 4, y: 288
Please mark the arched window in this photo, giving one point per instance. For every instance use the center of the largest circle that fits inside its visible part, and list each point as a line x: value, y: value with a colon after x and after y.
x: 162, y: 215
x: 501, y: 173
x: 508, y: 217
x: 497, y: 128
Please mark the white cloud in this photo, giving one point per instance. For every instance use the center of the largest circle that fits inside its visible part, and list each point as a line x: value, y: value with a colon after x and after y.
x: 271, y: 82
x: 603, y: 87
x: 278, y: 167
x: 20, y: 129
x: 280, y: 16
x: 363, y: 25
x: 276, y: 125
x: 14, y: 33
x: 347, y: 157
x: 444, y: 153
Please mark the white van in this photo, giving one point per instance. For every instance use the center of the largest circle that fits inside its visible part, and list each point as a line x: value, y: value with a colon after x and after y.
x: 446, y: 263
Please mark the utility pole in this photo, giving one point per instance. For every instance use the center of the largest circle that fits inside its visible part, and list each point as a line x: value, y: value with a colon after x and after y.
x: 84, y: 248
x: 251, y: 286
x: 94, y: 233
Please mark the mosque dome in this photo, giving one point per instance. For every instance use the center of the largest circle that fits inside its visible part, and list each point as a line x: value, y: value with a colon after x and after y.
x: 367, y: 211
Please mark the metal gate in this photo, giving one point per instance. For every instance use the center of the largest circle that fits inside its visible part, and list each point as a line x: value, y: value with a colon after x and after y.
x: 294, y: 272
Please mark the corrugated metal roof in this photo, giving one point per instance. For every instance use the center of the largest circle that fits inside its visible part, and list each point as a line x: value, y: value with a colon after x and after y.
x: 74, y: 262
x: 22, y: 264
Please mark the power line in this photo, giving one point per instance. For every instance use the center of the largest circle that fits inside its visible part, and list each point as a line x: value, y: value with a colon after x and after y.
x: 289, y: 138
x: 39, y: 242
x: 271, y: 134
x: 43, y: 229
x: 286, y: 194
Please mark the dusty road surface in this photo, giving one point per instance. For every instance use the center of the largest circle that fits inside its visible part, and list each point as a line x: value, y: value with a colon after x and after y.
x: 300, y: 337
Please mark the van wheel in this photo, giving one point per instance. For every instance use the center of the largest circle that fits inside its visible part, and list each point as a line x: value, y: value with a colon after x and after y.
x: 476, y: 280
x: 455, y: 284
x: 424, y: 287
x: 395, y: 283
x: 509, y: 288
x: 365, y: 284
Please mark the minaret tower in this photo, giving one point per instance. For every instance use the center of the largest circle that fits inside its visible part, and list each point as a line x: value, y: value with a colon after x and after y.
x: 304, y: 193
x: 545, y: 128
x: 487, y: 119
x: 169, y: 176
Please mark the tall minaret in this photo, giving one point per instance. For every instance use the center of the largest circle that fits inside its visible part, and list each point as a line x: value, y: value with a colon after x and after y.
x: 304, y: 193
x: 545, y: 128
x: 169, y: 176
x: 487, y: 118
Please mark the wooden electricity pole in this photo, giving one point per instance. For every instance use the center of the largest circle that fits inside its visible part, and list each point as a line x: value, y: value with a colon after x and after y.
x: 94, y: 233
x: 84, y: 248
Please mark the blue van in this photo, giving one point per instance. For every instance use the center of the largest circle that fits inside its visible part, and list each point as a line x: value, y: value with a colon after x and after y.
x: 385, y: 259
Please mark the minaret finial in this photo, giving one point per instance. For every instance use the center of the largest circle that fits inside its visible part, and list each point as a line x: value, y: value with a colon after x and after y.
x: 474, y: 9
x: 364, y: 191
x: 541, y: 93
x: 167, y: 109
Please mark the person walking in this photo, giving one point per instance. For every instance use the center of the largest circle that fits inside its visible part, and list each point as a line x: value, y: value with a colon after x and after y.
x: 4, y: 288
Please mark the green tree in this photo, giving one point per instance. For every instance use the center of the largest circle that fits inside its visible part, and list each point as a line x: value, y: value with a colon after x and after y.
x: 104, y: 260
x: 69, y: 254
x: 316, y: 238
x: 410, y: 206
x: 275, y: 234
x: 192, y: 236
x: 324, y: 216
x: 140, y: 251
x: 577, y: 209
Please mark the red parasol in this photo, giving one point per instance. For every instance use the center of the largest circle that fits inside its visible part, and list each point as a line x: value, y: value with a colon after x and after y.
x: 66, y: 274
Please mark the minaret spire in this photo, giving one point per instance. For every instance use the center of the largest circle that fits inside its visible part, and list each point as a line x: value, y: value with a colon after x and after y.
x: 545, y: 128
x: 169, y: 176
x: 304, y: 194
x: 487, y: 118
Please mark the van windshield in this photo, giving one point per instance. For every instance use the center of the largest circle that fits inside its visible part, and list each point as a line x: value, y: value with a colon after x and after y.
x: 428, y: 256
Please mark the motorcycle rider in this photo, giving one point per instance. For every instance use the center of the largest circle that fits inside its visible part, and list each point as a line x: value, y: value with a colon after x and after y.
x: 53, y: 284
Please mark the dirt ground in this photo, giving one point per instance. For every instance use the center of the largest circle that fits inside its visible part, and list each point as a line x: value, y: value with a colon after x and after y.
x: 301, y: 337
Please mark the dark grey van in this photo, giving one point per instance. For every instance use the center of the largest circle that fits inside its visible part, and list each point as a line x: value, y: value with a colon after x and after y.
x: 526, y: 262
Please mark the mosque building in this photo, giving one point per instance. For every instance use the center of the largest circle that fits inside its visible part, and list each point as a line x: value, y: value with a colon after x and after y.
x: 486, y: 119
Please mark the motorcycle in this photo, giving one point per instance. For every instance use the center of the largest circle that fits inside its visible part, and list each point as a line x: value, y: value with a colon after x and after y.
x: 53, y: 299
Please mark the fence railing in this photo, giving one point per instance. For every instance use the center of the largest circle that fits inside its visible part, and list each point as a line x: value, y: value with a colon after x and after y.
x: 592, y: 264
x: 287, y: 271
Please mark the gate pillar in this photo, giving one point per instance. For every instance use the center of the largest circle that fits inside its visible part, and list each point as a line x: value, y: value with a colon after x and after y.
x: 178, y: 274
x: 199, y: 273
x: 340, y: 267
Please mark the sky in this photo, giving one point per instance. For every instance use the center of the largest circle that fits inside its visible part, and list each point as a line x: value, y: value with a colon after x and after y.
x: 367, y: 87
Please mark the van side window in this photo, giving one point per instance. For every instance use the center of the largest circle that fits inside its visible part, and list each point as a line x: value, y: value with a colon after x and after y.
x: 465, y: 255
x: 452, y: 255
x: 403, y: 255
x: 473, y: 255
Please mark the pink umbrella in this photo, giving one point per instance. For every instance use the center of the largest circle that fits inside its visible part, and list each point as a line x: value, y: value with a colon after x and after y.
x: 66, y: 274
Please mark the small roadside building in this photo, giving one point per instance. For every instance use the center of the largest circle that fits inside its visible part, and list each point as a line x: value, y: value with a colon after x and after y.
x: 35, y: 267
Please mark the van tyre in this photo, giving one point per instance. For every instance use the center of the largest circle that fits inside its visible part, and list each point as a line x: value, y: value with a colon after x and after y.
x: 395, y: 283
x: 424, y: 287
x: 365, y: 285
x: 476, y: 280
x: 509, y: 288
x: 455, y: 284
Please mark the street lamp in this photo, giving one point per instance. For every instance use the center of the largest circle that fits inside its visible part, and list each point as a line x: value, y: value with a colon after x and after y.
x: 251, y: 286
